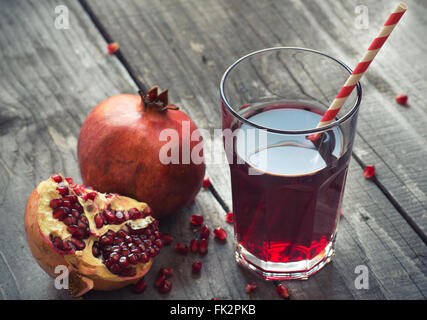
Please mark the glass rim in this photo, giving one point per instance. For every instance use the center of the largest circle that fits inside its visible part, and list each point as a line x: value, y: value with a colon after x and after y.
x: 306, y: 131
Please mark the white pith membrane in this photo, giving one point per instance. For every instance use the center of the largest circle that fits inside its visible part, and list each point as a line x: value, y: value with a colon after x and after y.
x: 137, y: 229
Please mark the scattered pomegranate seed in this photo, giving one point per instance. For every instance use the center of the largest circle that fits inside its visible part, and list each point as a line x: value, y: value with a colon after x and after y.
x: 229, y: 217
x: 282, y: 290
x: 139, y: 286
x: 113, y: 47
x: 204, y: 232
x: 401, y: 98
x: 181, y: 248
x: 196, y: 267
x: 166, y: 286
x: 57, y: 178
x: 250, y: 287
x: 196, y: 219
x: 369, y: 172
x: 206, y: 182
x: 167, y: 272
x: 220, y: 233
x: 194, y: 245
x: 203, y: 246
x: 159, y: 280
x: 69, y: 180
x: 167, y: 239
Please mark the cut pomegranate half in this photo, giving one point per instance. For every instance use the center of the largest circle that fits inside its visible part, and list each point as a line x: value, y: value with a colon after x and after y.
x: 107, y: 240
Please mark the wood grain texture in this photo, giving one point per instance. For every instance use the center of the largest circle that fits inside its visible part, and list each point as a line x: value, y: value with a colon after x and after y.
x: 51, y: 79
x: 188, y: 46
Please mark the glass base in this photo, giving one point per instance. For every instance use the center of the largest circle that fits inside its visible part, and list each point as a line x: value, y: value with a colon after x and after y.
x: 286, y: 270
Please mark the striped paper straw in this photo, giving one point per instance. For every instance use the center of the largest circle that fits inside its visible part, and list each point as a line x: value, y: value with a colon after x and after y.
x: 361, y: 67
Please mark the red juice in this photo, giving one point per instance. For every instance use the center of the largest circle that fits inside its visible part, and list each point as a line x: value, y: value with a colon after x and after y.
x: 289, y: 213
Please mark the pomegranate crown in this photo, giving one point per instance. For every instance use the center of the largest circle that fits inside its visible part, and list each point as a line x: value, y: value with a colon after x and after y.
x: 154, y: 99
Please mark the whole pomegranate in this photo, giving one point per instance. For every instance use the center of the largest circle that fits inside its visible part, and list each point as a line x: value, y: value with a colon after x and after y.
x: 120, y: 148
x: 106, y: 241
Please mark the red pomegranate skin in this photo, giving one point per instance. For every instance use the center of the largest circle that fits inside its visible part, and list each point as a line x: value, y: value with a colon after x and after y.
x: 118, y: 152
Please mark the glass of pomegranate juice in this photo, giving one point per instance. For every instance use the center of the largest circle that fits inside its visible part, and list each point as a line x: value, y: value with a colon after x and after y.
x: 287, y: 176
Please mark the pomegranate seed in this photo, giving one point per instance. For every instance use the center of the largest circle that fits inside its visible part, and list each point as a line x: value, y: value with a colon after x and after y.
x: 159, y: 243
x: 68, y: 246
x: 123, y: 262
x: 82, y: 225
x: 206, y: 182
x: 204, y: 232
x: 196, y: 220
x: 59, y: 213
x: 196, y: 267
x: 75, y: 213
x: 70, y: 198
x: 166, y: 286
x: 133, y: 259
x: 57, y: 242
x: 63, y: 190
x: 181, y: 248
x: 57, y: 178
x: 144, y: 258
x: 121, y: 234
x: 229, y: 217
x: 69, y: 220
x: 67, y: 204
x: 115, y: 268
x: 282, y: 290
x: 152, y: 252
x: 55, y: 203
x: 250, y: 287
x: 369, y: 172
x: 76, y: 231
x: 159, y: 281
x: 98, y: 221
x: 113, y: 47
x: 92, y: 195
x: 95, y: 251
x: 78, y: 244
x: 119, y: 217
x: 194, y: 245
x: 69, y: 180
x: 106, y: 240
x: 167, y: 272
x: 148, y: 211
x: 78, y: 207
x: 401, y: 98
x: 220, y: 233
x: 203, y: 246
x: 139, y: 286
x: 133, y: 214
x: 110, y: 216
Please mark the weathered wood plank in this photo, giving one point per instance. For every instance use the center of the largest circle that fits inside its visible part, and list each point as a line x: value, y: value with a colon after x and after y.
x: 50, y: 80
x: 187, y: 47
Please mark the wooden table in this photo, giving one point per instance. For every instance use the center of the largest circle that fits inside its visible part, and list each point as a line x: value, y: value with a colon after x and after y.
x: 51, y: 79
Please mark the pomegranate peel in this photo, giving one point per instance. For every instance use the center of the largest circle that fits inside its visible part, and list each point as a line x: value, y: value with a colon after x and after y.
x: 79, y: 244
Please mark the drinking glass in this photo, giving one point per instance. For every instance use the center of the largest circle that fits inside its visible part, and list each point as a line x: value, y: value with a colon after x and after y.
x: 287, y: 176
